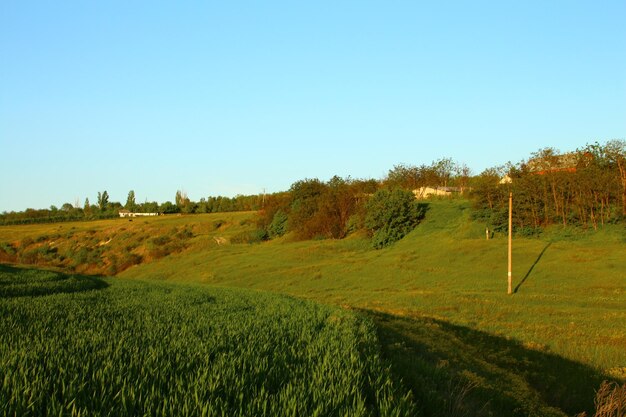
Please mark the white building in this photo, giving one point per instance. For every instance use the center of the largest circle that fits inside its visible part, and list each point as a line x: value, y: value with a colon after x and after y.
x: 425, y: 192
x: 126, y: 213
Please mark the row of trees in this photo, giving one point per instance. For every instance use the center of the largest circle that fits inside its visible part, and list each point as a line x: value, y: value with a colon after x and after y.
x: 214, y: 204
x: 314, y: 209
x: 584, y: 188
x: 104, y: 208
x: 443, y: 172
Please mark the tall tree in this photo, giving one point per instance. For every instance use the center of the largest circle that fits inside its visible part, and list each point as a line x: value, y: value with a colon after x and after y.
x: 305, y: 200
x: 444, y: 168
x: 130, y: 201
x: 87, y: 207
x: 181, y: 199
x: 463, y: 174
x: 403, y: 176
x: 616, y: 153
x: 103, y: 200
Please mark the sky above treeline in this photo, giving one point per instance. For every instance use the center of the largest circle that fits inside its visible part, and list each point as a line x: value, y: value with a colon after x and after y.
x: 226, y: 98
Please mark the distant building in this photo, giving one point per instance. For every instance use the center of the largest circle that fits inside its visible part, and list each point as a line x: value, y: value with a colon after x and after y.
x: 425, y: 192
x: 126, y: 213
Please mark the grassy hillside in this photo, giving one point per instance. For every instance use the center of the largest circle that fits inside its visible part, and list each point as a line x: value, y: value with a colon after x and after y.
x: 439, y: 301
x: 111, y: 246
x: 75, y: 345
x: 560, y: 334
x: 570, y: 291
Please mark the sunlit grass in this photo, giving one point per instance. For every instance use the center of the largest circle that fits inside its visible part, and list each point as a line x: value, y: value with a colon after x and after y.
x: 567, y: 310
x: 130, y: 348
x: 571, y: 300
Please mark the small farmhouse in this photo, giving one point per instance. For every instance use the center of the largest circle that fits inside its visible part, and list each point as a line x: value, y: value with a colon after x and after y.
x: 426, y: 192
x: 126, y: 213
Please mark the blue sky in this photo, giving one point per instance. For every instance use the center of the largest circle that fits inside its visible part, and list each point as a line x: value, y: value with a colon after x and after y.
x: 233, y: 97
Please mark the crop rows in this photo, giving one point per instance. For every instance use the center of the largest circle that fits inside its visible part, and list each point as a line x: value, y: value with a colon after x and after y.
x: 134, y: 348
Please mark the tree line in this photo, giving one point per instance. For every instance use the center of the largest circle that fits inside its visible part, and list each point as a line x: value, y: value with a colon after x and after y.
x: 106, y: 209
x: 584, y: 188
x: 444, y: 172
x: 385, y: 209
x: 313, y: 209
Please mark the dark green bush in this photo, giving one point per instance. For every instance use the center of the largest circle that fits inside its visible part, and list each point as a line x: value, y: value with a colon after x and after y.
x: 391, y: 214
x: 278, y: 226
x: 184, y: 234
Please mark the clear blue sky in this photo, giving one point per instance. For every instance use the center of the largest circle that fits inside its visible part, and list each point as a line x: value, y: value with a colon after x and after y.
x: 232, y: 97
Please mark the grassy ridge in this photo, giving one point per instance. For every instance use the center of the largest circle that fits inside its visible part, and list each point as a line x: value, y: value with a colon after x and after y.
x: 570, y: 292
x: 438, y: 298
x: 131, y: 348
x: 567, y: 310
x: 108, y: 247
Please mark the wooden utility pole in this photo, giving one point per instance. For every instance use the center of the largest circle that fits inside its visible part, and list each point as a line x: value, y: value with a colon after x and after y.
x: 510, y: 291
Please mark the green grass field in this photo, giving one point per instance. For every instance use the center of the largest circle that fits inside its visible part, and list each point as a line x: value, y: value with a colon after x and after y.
x: 437, y: 300
x: 92, y: 346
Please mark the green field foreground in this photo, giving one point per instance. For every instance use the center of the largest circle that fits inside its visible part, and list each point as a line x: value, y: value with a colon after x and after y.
x: 84, y: 346
x: 436, y: 302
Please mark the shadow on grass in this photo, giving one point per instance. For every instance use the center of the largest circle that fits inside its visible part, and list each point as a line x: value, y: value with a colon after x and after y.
x: 532, y: 267
x: 21, y: 282
x: 457, y: 371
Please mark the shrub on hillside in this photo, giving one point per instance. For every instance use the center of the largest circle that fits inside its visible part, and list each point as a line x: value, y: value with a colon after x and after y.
x: 278, y: 226
x: 250, y: 236
x: 184, y: 234
x: 391, y: 214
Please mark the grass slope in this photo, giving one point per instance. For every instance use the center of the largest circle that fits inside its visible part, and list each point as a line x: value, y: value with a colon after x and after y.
x: 111, y: 246
x: 570, y: 293
x: 439, y: 300
x: 127, y: 348
x: 569, y: 302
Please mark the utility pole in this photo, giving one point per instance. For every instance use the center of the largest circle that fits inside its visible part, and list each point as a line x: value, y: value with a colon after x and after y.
x: 510, y: 291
